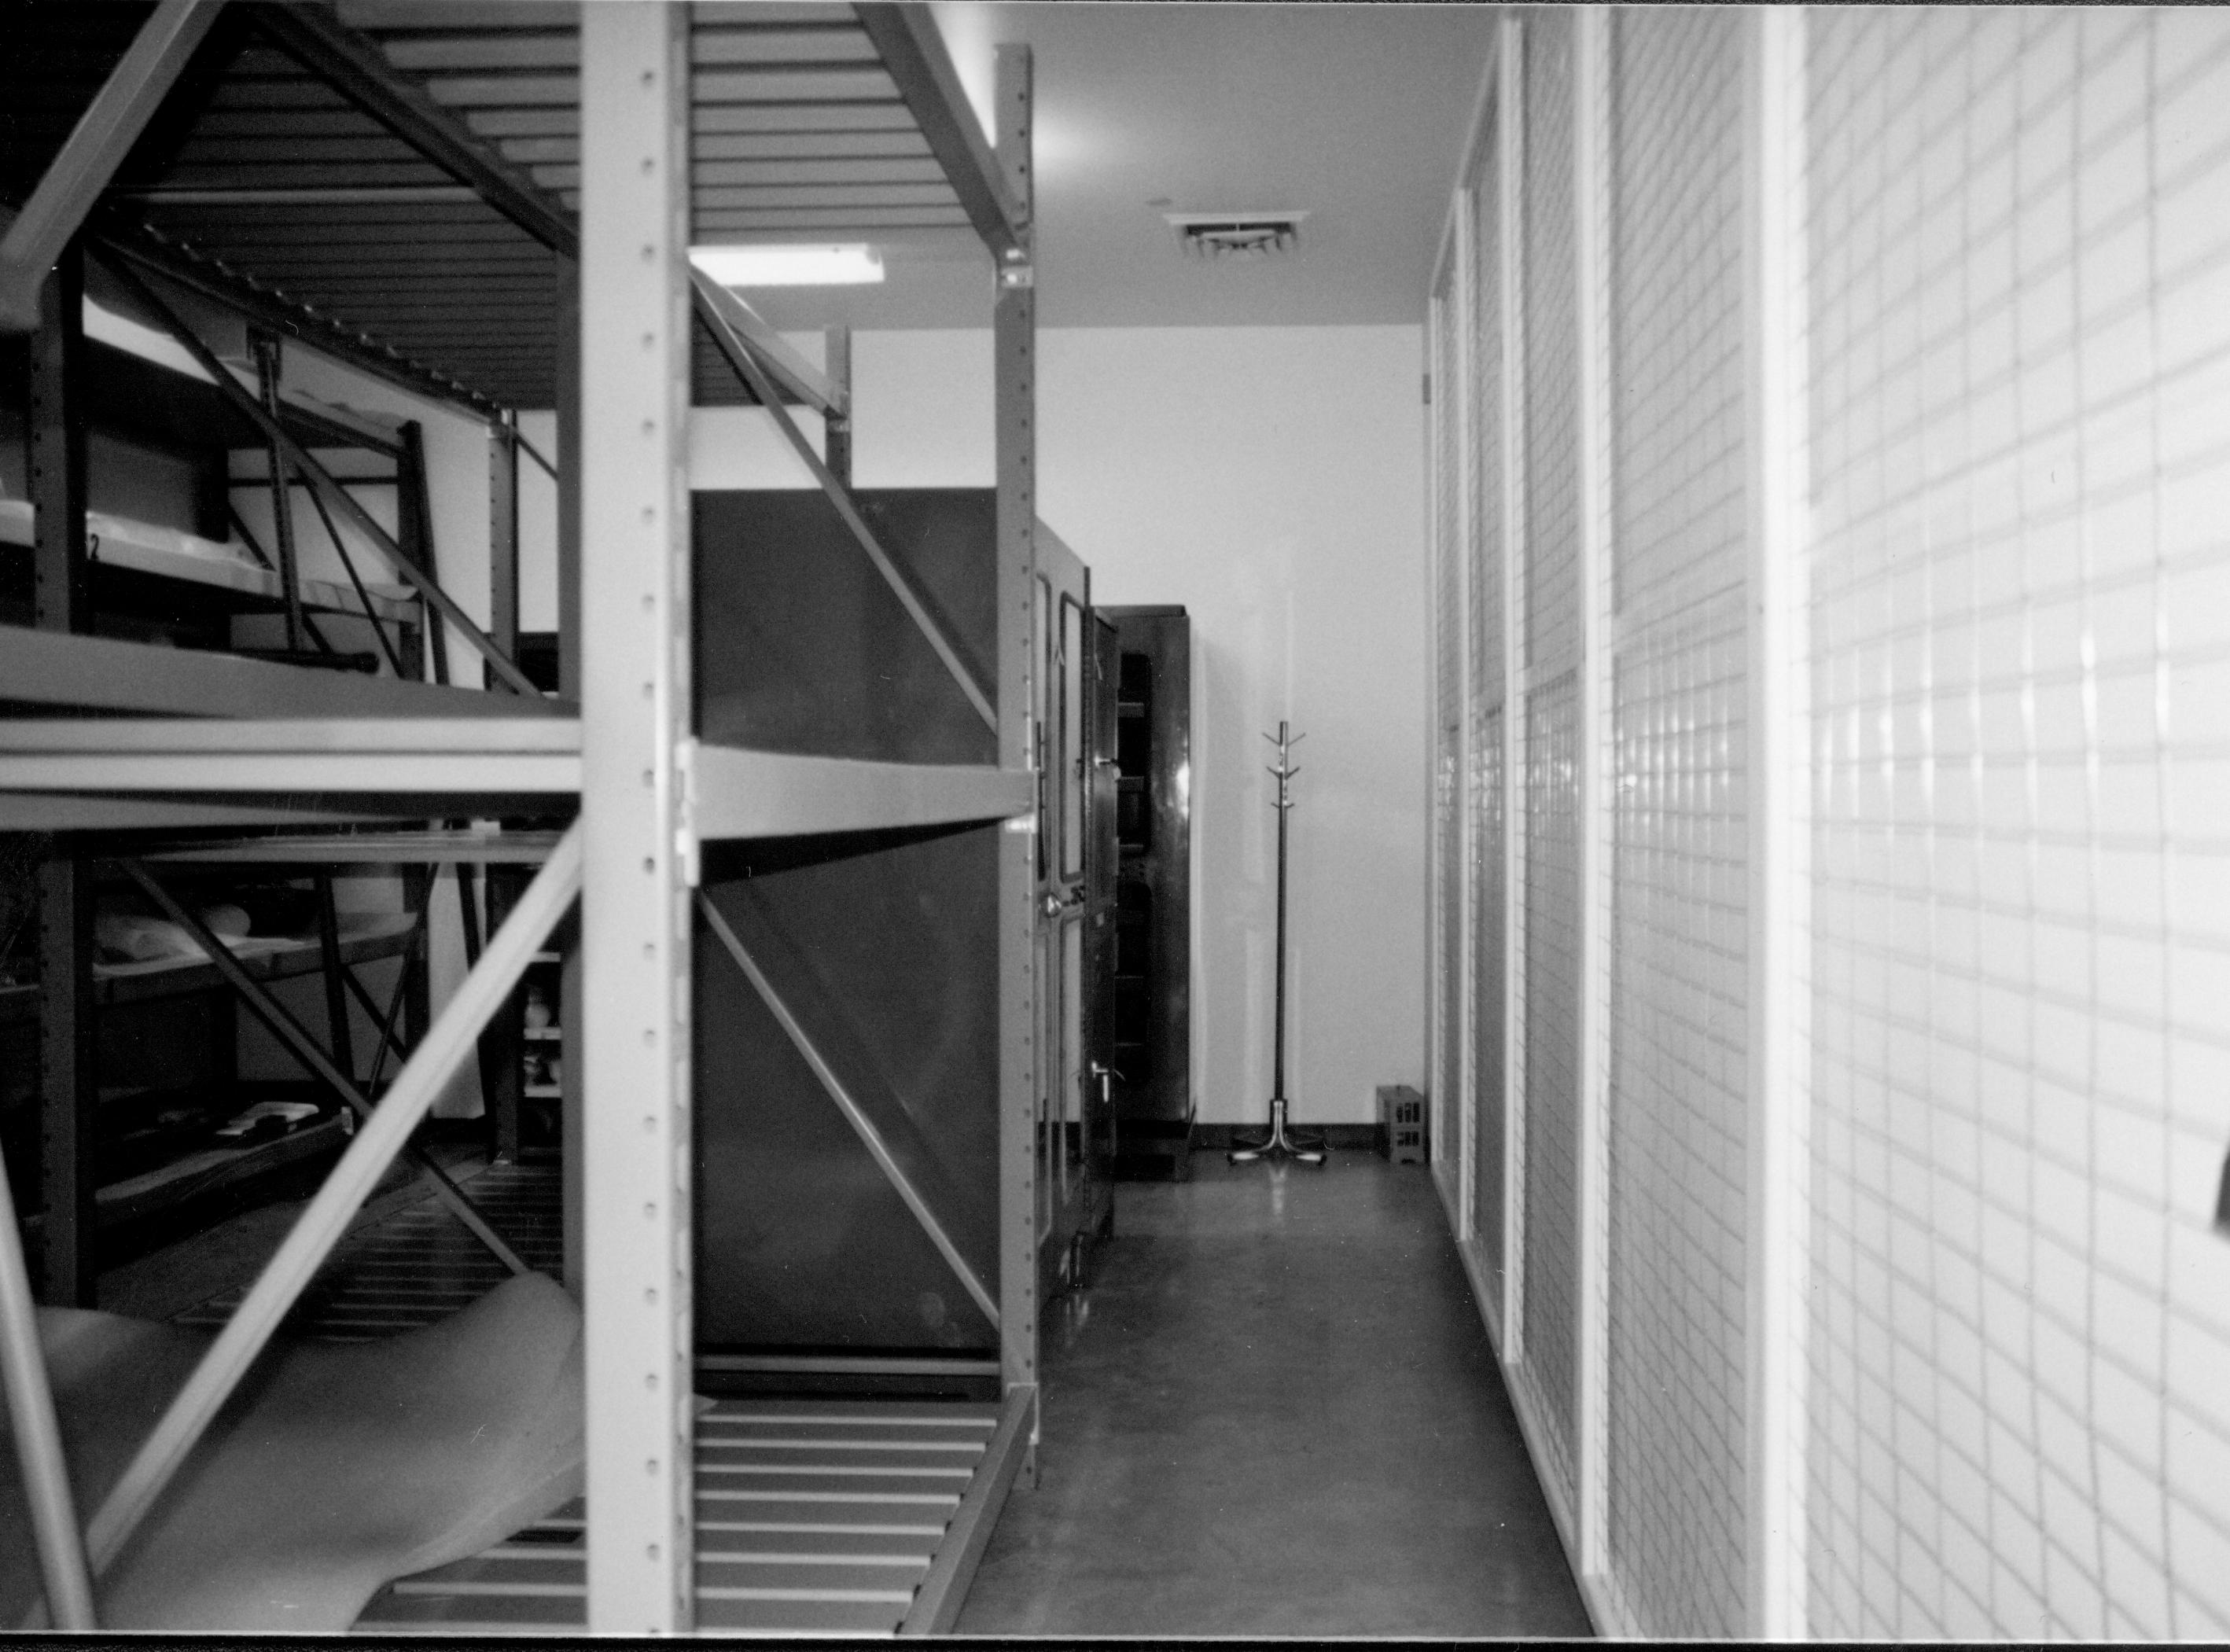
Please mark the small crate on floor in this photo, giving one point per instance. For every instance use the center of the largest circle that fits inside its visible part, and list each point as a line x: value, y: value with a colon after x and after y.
x: 1402, y: 1123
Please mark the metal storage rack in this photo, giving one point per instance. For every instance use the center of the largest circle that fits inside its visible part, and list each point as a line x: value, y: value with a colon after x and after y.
x: 397, y: 183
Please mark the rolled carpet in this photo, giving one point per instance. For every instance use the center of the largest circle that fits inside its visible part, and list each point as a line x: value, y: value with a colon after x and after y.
x: 334, y: 1469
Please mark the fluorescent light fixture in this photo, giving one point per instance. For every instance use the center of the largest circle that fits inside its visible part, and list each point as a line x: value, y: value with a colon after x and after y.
x: 818, y: 265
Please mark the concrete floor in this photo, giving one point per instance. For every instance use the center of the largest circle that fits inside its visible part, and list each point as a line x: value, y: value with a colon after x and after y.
x: 1275, y: 1412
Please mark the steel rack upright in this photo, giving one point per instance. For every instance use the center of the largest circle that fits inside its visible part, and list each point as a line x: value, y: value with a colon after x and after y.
x: 397, y: 185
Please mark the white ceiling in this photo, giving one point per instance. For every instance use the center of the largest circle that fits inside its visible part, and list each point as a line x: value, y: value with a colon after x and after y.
x: 1355, y: 113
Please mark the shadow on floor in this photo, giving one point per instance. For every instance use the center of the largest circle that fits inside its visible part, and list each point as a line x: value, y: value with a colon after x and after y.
x: 1275, y: 1411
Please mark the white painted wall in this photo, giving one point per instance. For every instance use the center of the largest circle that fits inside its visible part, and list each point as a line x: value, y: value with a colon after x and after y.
x: 1270, y: 480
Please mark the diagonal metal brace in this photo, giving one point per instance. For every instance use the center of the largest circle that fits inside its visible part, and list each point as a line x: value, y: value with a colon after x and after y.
x: 322, y: 482
x: 877, y: 1149
x: 792, y: 374
x: 274, y: 1015
x: 39, y: 1456
x: 741, y: 357
x: 95, y: 148
x: 312, y: 1239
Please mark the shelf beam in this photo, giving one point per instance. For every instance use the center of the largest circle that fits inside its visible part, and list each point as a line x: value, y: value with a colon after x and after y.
x: 371, y: 849
x: 77, y: 812
x: 334, y: 757
x: 104, y: 675
x: 737, y: 793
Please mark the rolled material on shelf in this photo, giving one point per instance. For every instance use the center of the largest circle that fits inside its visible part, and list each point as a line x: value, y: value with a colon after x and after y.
x: 333, y: 1470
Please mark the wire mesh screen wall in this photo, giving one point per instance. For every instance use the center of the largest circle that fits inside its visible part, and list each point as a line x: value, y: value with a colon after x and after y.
x: 1550, y: 1308
x: 1448, y: 710
x: 2020, y: 244
x: 1487, y: 972
x: 2007, y: 244
x: 1676, y: 1070
x: 1550, y: 1212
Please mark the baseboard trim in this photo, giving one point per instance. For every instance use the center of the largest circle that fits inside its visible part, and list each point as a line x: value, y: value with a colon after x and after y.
x: 1343, y: 1138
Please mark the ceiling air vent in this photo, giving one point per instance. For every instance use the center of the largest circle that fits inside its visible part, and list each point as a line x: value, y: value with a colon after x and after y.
x: 1213, y: 235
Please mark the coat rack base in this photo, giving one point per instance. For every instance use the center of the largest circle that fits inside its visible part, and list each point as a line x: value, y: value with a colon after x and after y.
x: 1280, y: 1142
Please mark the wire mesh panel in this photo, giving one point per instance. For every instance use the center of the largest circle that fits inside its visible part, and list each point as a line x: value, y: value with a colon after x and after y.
x: 2020, y: 1376
x: 1676, y: 1069
x: 1447, y: 702
x: 1486, y: 714
x: 1552, y: 1062
x: 1549, y: 1223
x: 1552, y: 484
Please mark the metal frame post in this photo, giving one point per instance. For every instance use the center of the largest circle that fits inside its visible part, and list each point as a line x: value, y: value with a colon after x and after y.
x: 836, y: 428
x: 267, y: 368
x: 571, y: 996
x: 635, y: 919
x: 61, y: 601
x: 503, y: 538
x: 68, y: 1096
x: 1014, y: 354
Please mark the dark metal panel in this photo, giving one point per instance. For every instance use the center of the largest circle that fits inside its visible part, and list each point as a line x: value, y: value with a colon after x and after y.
x: 887, y: 957
x: 882, y: 945
x: 801, y: 645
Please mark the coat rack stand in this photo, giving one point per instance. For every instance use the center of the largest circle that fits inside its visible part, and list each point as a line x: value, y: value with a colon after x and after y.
x: 1305, y: 1146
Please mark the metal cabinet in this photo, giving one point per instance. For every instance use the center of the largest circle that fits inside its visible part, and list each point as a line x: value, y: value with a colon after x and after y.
x: 1152, y: 1048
